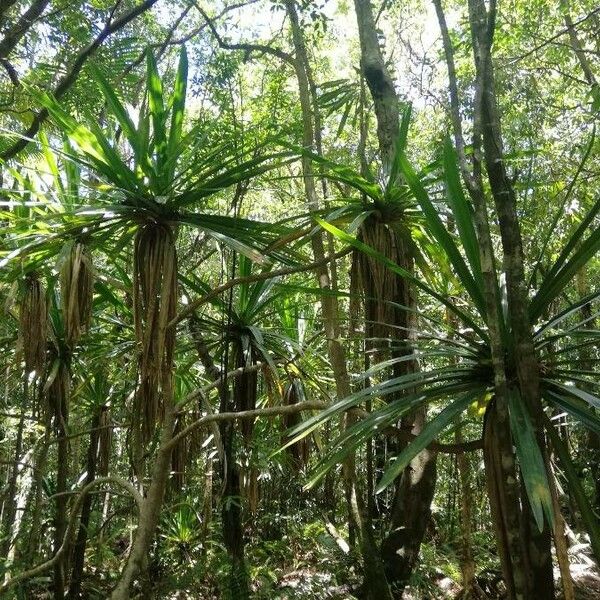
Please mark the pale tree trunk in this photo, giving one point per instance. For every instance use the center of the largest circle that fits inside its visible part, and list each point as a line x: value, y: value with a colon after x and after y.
x: 376, y: 587
x: 150, y: 508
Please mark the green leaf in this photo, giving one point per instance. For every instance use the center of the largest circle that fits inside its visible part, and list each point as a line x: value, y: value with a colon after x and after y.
x: 431, y: 430
x: 572, y: 390
x: 158, y: 114
x: 439, y: 232
x: 564, y: 269
x: 117, y: 109
x: 576, y: 408
x: 451, y: 378
x: 342, y: 174
x: 587, y: 512
x: 392, y: 181
x: 531, y: 461
x: 177, y: 110
x: 561, y: 211
x: 462, y: 211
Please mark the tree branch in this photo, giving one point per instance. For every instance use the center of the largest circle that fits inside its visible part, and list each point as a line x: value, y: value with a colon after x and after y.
x: 263, y: 48
x: 554, y: 37
x: 193, y: 306
x: 15, y: 33
x: 70, y: 77
x: 273, y: 411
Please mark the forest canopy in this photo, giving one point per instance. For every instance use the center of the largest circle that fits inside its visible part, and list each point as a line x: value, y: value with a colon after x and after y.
x: 300, y: 299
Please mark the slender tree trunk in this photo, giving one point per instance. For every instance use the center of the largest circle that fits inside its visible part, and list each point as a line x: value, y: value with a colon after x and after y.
x: 150, y: 509
x: 86, y: 508
x: 376, y: 587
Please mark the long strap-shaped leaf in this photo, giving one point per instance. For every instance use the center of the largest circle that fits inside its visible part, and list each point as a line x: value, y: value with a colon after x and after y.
x: 391, y: 386
x: 384, y: 417
x: 158, y: 113
x: 576, y: 408
x: 93, y: 144
x: 177, y: 111
x: 590, y: 519
x: 531, y: 461
x: 564, y: 269
x: 462, y: 211
x: 567, y: 312
x: 117, y: 109
x: 431, y: 430
x: 561, y: 210
x: 440, y: 233
x: 572, y: 390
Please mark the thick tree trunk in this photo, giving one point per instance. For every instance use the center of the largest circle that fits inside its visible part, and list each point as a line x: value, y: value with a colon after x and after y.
x: 410, y: 515
x: 379, y: 81
x: 499, y: 458
x: 503, y: 494
x: 414, y: 491
x: 541, y: 581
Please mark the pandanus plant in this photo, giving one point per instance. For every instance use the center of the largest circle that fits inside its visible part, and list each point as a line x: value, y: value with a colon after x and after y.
x: 147, y: 181
x: 70, y: 312
x: 461, y: 374
x: 243, y: 341
x: 386, y: 217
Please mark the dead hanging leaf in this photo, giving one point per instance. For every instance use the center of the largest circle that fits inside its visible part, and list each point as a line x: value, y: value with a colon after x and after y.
x: 33, y: 324
x: 77, y: 285
x: 300, y: 451
x: 245, y: 387
x: 104, y: 441
x: 381, y: 289
x: 154, y: 304
x: 58, y: 392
